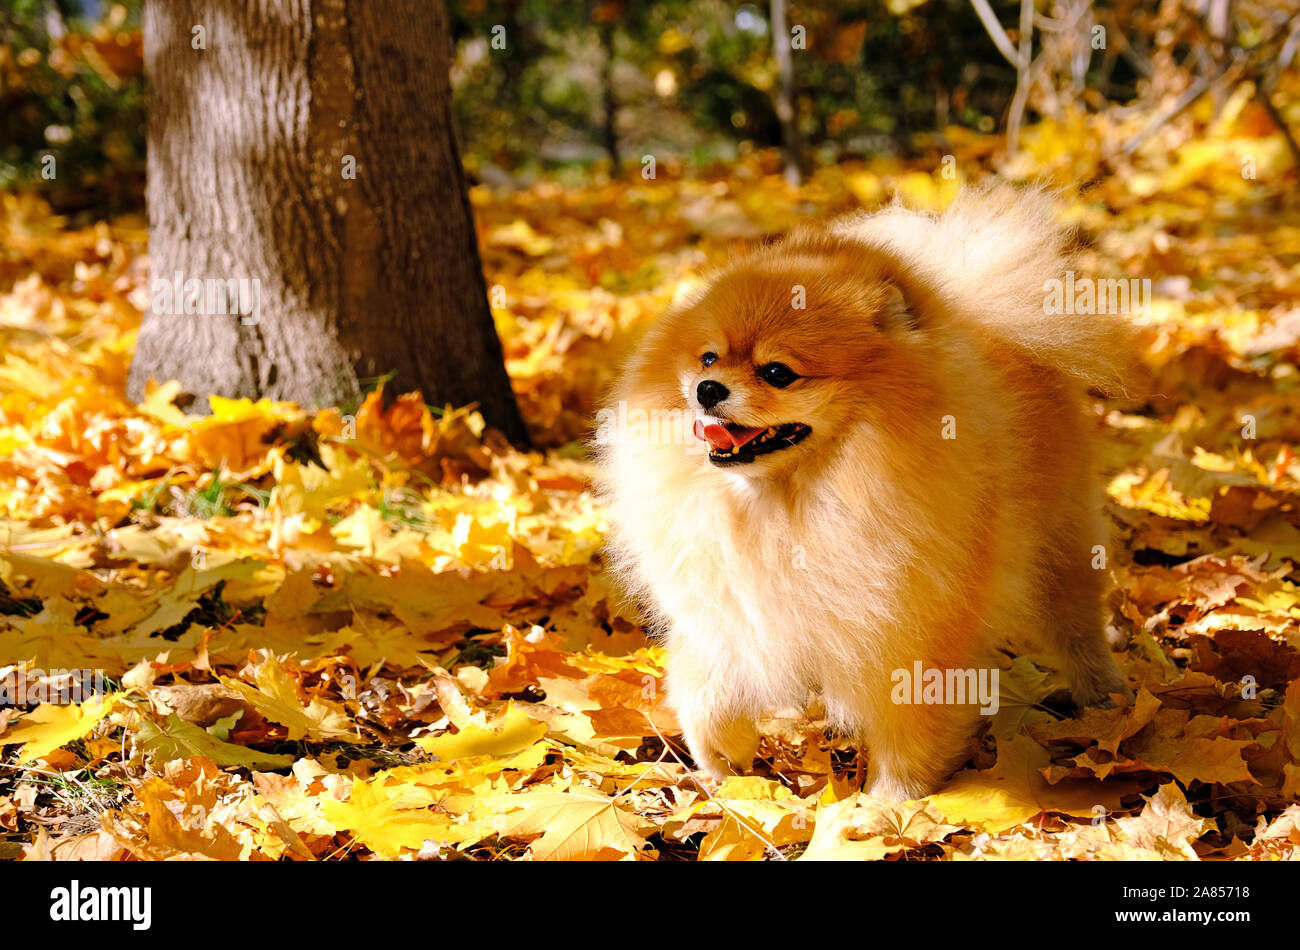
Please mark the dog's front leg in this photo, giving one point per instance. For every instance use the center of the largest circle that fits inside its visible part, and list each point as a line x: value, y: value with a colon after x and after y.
x: 709, y: 699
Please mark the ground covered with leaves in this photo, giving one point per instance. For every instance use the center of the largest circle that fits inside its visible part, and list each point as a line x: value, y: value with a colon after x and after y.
x: 379, y: 632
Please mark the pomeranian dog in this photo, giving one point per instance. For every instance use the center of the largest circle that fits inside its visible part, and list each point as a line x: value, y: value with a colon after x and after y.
x: 893, y: 466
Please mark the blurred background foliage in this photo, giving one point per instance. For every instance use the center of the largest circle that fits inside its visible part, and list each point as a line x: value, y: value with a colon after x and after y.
x: 72, y: 89
x: 697, y: 77
x: 544, y: 87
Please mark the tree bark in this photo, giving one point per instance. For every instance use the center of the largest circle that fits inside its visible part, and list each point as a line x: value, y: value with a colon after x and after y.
x: 609, y: 125
x: 791, y: 146
x: 362, y: 277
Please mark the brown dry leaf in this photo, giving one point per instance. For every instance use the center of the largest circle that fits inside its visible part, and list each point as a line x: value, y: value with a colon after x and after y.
x: 577, y: 824
x: 97, y: 845
x: 193, y: 819
x: 1167, y: 825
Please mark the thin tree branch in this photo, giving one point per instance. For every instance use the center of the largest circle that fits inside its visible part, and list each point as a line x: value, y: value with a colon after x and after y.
x: 1025, y: 56
x: 1262, y: 95
x: 1237, y: 66
x: 997, y: 34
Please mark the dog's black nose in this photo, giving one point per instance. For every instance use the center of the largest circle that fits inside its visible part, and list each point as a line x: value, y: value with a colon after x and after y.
x: 710, y: 393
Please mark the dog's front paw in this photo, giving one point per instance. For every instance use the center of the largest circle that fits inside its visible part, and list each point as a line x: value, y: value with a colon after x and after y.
x: 898, y: 788
x: 721, y: 747
x: 1098, y: 690
x: 898, y: 780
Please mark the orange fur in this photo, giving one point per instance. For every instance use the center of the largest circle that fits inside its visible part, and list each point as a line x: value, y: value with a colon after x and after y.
x: 875, y: 542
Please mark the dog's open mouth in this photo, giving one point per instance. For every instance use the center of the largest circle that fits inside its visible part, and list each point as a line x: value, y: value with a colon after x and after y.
x: 733, y: 444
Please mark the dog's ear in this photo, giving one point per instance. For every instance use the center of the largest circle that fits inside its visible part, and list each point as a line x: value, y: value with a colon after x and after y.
x: 895, y: 312
x: 808, y: 237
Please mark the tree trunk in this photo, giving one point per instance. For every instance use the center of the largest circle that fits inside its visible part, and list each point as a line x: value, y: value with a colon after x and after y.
x: 609, y: 129
x: 310, y: 148
x: 606, y: 16
x: 791, y: 146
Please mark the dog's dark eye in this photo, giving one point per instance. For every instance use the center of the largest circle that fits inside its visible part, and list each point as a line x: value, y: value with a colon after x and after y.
x: 708, y: 359
x: 777, y: 374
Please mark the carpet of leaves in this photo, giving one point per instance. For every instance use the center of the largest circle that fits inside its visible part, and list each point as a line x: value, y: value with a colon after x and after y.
x: 378, y: 632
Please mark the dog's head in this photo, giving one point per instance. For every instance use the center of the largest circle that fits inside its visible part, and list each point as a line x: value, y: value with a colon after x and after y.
x: 785, y: 351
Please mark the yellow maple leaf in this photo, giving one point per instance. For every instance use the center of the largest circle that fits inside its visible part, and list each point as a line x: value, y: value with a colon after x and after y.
x: 178, y: 739
x: 513, y: 732
x: 49, y: 727
x: 758, y: 815
x: 276, y: 697
x: 158, y: 403
x: 831, y: 839
x: 575, y: 825
x: 310, y: 490
x: 1014, y: 791
x: 519, y: 234
x: 386, y: 819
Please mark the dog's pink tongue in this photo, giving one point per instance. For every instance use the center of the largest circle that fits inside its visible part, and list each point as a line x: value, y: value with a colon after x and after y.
x: 717, y: 436
x: 722, y: 439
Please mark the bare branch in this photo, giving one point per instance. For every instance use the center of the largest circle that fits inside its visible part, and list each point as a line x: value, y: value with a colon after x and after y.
x: 997, y: 34
x: 1023, y: 81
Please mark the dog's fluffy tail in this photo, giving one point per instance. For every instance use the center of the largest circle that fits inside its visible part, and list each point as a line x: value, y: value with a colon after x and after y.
x: 991, y: 257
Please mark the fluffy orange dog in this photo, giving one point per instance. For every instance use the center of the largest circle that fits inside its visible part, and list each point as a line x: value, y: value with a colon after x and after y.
x: 898, y: 469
